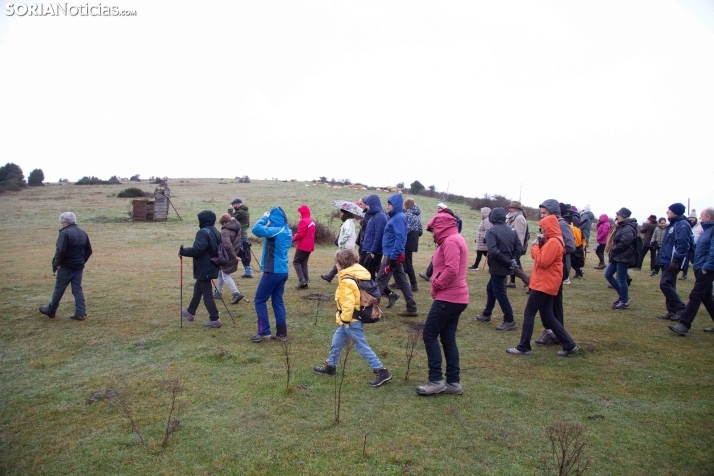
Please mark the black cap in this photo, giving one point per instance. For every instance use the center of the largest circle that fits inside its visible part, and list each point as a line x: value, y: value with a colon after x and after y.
x: 237, y: 200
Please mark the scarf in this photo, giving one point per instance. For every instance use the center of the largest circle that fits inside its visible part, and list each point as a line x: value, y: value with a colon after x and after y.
x: 611, y: 237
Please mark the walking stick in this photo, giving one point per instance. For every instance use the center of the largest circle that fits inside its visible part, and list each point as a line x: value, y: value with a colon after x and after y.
x: 181, y: 281
x: 224, y: 303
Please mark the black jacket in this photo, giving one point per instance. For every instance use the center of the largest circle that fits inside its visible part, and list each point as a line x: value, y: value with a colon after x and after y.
x: 623, y: 246
x: 73, y: 248
x: 503, y: 243
x: 204, y: 247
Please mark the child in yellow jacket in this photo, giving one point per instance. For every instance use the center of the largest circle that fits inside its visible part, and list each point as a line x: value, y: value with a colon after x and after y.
x: 347, y: 298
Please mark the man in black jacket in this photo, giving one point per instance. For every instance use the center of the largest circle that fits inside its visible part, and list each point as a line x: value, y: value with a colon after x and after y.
x: 504, y: 248
x: 73, y: 251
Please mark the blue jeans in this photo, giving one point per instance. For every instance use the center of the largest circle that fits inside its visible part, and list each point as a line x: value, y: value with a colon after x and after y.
x: 441, y: 323
x: 355, y: 332
x: 65, y: 277
x: 496, y: 290
x: 619, y: 283
x: 271, y: 286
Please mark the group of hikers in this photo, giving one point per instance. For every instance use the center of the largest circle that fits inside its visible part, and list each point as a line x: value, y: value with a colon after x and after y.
x: 383, y: 249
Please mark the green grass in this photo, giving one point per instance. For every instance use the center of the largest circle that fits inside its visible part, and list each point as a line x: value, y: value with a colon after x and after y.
x: 653, y: 388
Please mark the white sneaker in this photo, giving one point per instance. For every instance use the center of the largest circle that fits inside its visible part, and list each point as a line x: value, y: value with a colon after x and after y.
x: 567, y: 281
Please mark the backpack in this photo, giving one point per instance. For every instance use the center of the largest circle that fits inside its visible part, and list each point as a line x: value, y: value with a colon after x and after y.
x: 577, y: 259
x: 221, y: 259
x: 637, y: 245
x: 370, y: 295
x: 459, y: 223
x: 526, y: 240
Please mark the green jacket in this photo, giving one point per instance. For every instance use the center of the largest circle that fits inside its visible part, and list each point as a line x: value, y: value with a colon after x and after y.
x: 242, y: 216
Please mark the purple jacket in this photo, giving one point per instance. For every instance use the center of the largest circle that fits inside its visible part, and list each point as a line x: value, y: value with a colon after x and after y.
x: 603, y: 229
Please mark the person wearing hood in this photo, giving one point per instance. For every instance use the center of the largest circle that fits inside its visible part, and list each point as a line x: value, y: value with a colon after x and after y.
x: 372, y: 243
x: 703, y: 273
x: 553, y: 207
x: 586, y: 222
x: 414, y: 230
x: 393, y: 242
x: 646, y: 230
x: 205, y: 247
x: 273, y: 227
x: 440, y: 208
x: 656, y: 243
x: 240, y: 212
x: 696, y: 232
x: 350, y: 327
x: 672, y: 257
x: 621, y: 254
x: 345, y: 240
x: 451, y: 297
x: 546, y: 279
x: 230, y: 238
x: 603, y: 229
x: 481, y: 246
x: 517, y: 219
x: 304, y: 240
x: 503, y: 249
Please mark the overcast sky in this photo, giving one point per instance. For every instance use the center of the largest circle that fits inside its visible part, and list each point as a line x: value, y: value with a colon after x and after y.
x: 607, y: 103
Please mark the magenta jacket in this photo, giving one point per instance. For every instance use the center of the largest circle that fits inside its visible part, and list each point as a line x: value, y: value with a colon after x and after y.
x: 603, y: 228
x: 305, y: 235
x: 450, y: 261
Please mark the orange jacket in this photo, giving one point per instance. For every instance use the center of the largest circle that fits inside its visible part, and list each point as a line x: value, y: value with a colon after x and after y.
x: 547, y: 275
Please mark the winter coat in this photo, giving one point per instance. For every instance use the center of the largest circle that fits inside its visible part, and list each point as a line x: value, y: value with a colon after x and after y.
x: 348, y: 235
x: 518, y: 221
x: 347, y: 295
x: 204, y: 247
x: 566, y: 233
x: 586, y: 222
x: 675, y: 245
x: 414, y: 228
x: 658, y: 236
x: 278, y: 238
x: 241, y: 214
x: 603, y: 229
x: 375, y: 226
x: 503, y: 244
x: 704, y: 253
x: 305, y: 235
x: 483, y: 227
x: 450, y: 261
x: 395, y: 233
x: 73, y: 248
x: 647, y: 229
x: 230, y: 237
x: 623, y: 250
x: 547, y: 274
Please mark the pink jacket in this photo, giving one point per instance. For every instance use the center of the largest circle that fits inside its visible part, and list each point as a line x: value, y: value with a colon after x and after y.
x: 305, y: 235
x: 603, y: 228
x: 450, y: 261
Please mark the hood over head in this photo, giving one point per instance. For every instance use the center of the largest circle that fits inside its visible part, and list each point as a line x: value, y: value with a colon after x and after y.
x: 206, y: 218
x: 603, y: 218
x: 277, y: 217
x: 397, y: 202
x: 484, y: 212
x: 304, y: 211
x: 375, y: 204
x: 442, y: 225
x: 550, y: 227
x: 552, y: 206
x: 497, y: 215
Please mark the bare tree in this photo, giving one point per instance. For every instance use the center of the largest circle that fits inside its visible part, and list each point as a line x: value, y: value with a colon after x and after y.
x: 567, y: 450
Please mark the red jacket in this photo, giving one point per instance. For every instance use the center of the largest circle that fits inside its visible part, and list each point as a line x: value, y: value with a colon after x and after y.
x: 450, y: 261
x: 305, y: 236
x: 547, y: 274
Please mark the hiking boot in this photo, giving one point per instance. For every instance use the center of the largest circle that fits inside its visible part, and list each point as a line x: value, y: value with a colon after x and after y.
x: 680, y: 329
x: 431, y: 388
x: 424, y: 277
x: 247, y: 276
x: 392, y: 299
x: 654, y: 274
x: 217, y: 295
x: 408, y: 314
x: 77, y: 317
x: 187, y: 315
x: 280, y: 337
x: 214, y: 324
x: 302, y: 284
x: 709, y: 329
x: 382, y: 375
x: 675, y: 316
x: 454, y: 388
x: 473, y: 268
x: 665, y: 316
x: 614, y: 304
x: 236, y: 297
x: 682, y: 278
x: 484, y: 318
x: 257, y: 338
x: 326, y: 369
x: 46, y: 311
x: 565, y: 353
x: 515, y: 351
x: 326, y: 278
x: 622, y: 305
x: 415, y: 288
x: 567, y: 281
x: 601, y: 265
x: 511, y: 285
x: 544, y: 338
x: 507, y: 326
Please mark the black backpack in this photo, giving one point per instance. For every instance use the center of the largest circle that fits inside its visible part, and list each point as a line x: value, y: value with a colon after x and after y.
x: 459, y: 223
x: 637, y: 245
x: 369, y: 311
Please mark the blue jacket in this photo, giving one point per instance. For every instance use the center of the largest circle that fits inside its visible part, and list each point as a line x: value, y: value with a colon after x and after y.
x: 278, y: 237
x: 372, y: 242
x: 675, y: 245
x: 395, y: 233
x: 704, y: 253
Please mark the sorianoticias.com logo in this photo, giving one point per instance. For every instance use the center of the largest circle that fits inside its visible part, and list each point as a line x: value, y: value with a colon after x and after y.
x: 64, y: 10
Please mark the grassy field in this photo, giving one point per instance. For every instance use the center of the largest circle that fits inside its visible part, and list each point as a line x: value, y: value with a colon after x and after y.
x: 644, y: 395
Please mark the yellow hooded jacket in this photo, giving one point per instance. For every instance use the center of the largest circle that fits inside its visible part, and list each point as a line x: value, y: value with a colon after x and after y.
x: 347, y: 295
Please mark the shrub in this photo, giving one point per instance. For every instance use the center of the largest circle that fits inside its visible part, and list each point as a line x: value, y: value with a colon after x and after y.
x: 416, y: 187
x: 91, y: 181
x: 11, y: 177
x: 132, y: 192
x: 36, y: 178
x: 244, y: 179
x: 63, y: 180
x: 135, y: 178
x: 114, y: 179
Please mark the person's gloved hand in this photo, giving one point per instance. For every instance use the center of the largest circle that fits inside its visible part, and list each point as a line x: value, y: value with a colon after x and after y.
x: 180, y: 250
x: 674, y: 266
x: 401, y: 258
x: 514, y: 265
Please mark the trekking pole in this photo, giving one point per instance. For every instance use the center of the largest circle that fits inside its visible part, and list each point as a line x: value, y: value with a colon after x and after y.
x: 181, y: 281
x: 317, y: 310
x: 224, y: 303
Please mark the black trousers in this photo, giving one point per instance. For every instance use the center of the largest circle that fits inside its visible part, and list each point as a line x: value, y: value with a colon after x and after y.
x: 202, y: 289
x: 409, y: 267
x: 371, y: 264
x: 668, y: 286
x: 701, y: 294
x: 600, y: 252
x: 653, y: 256
x: 479, y: 254
x: 539, y: 302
